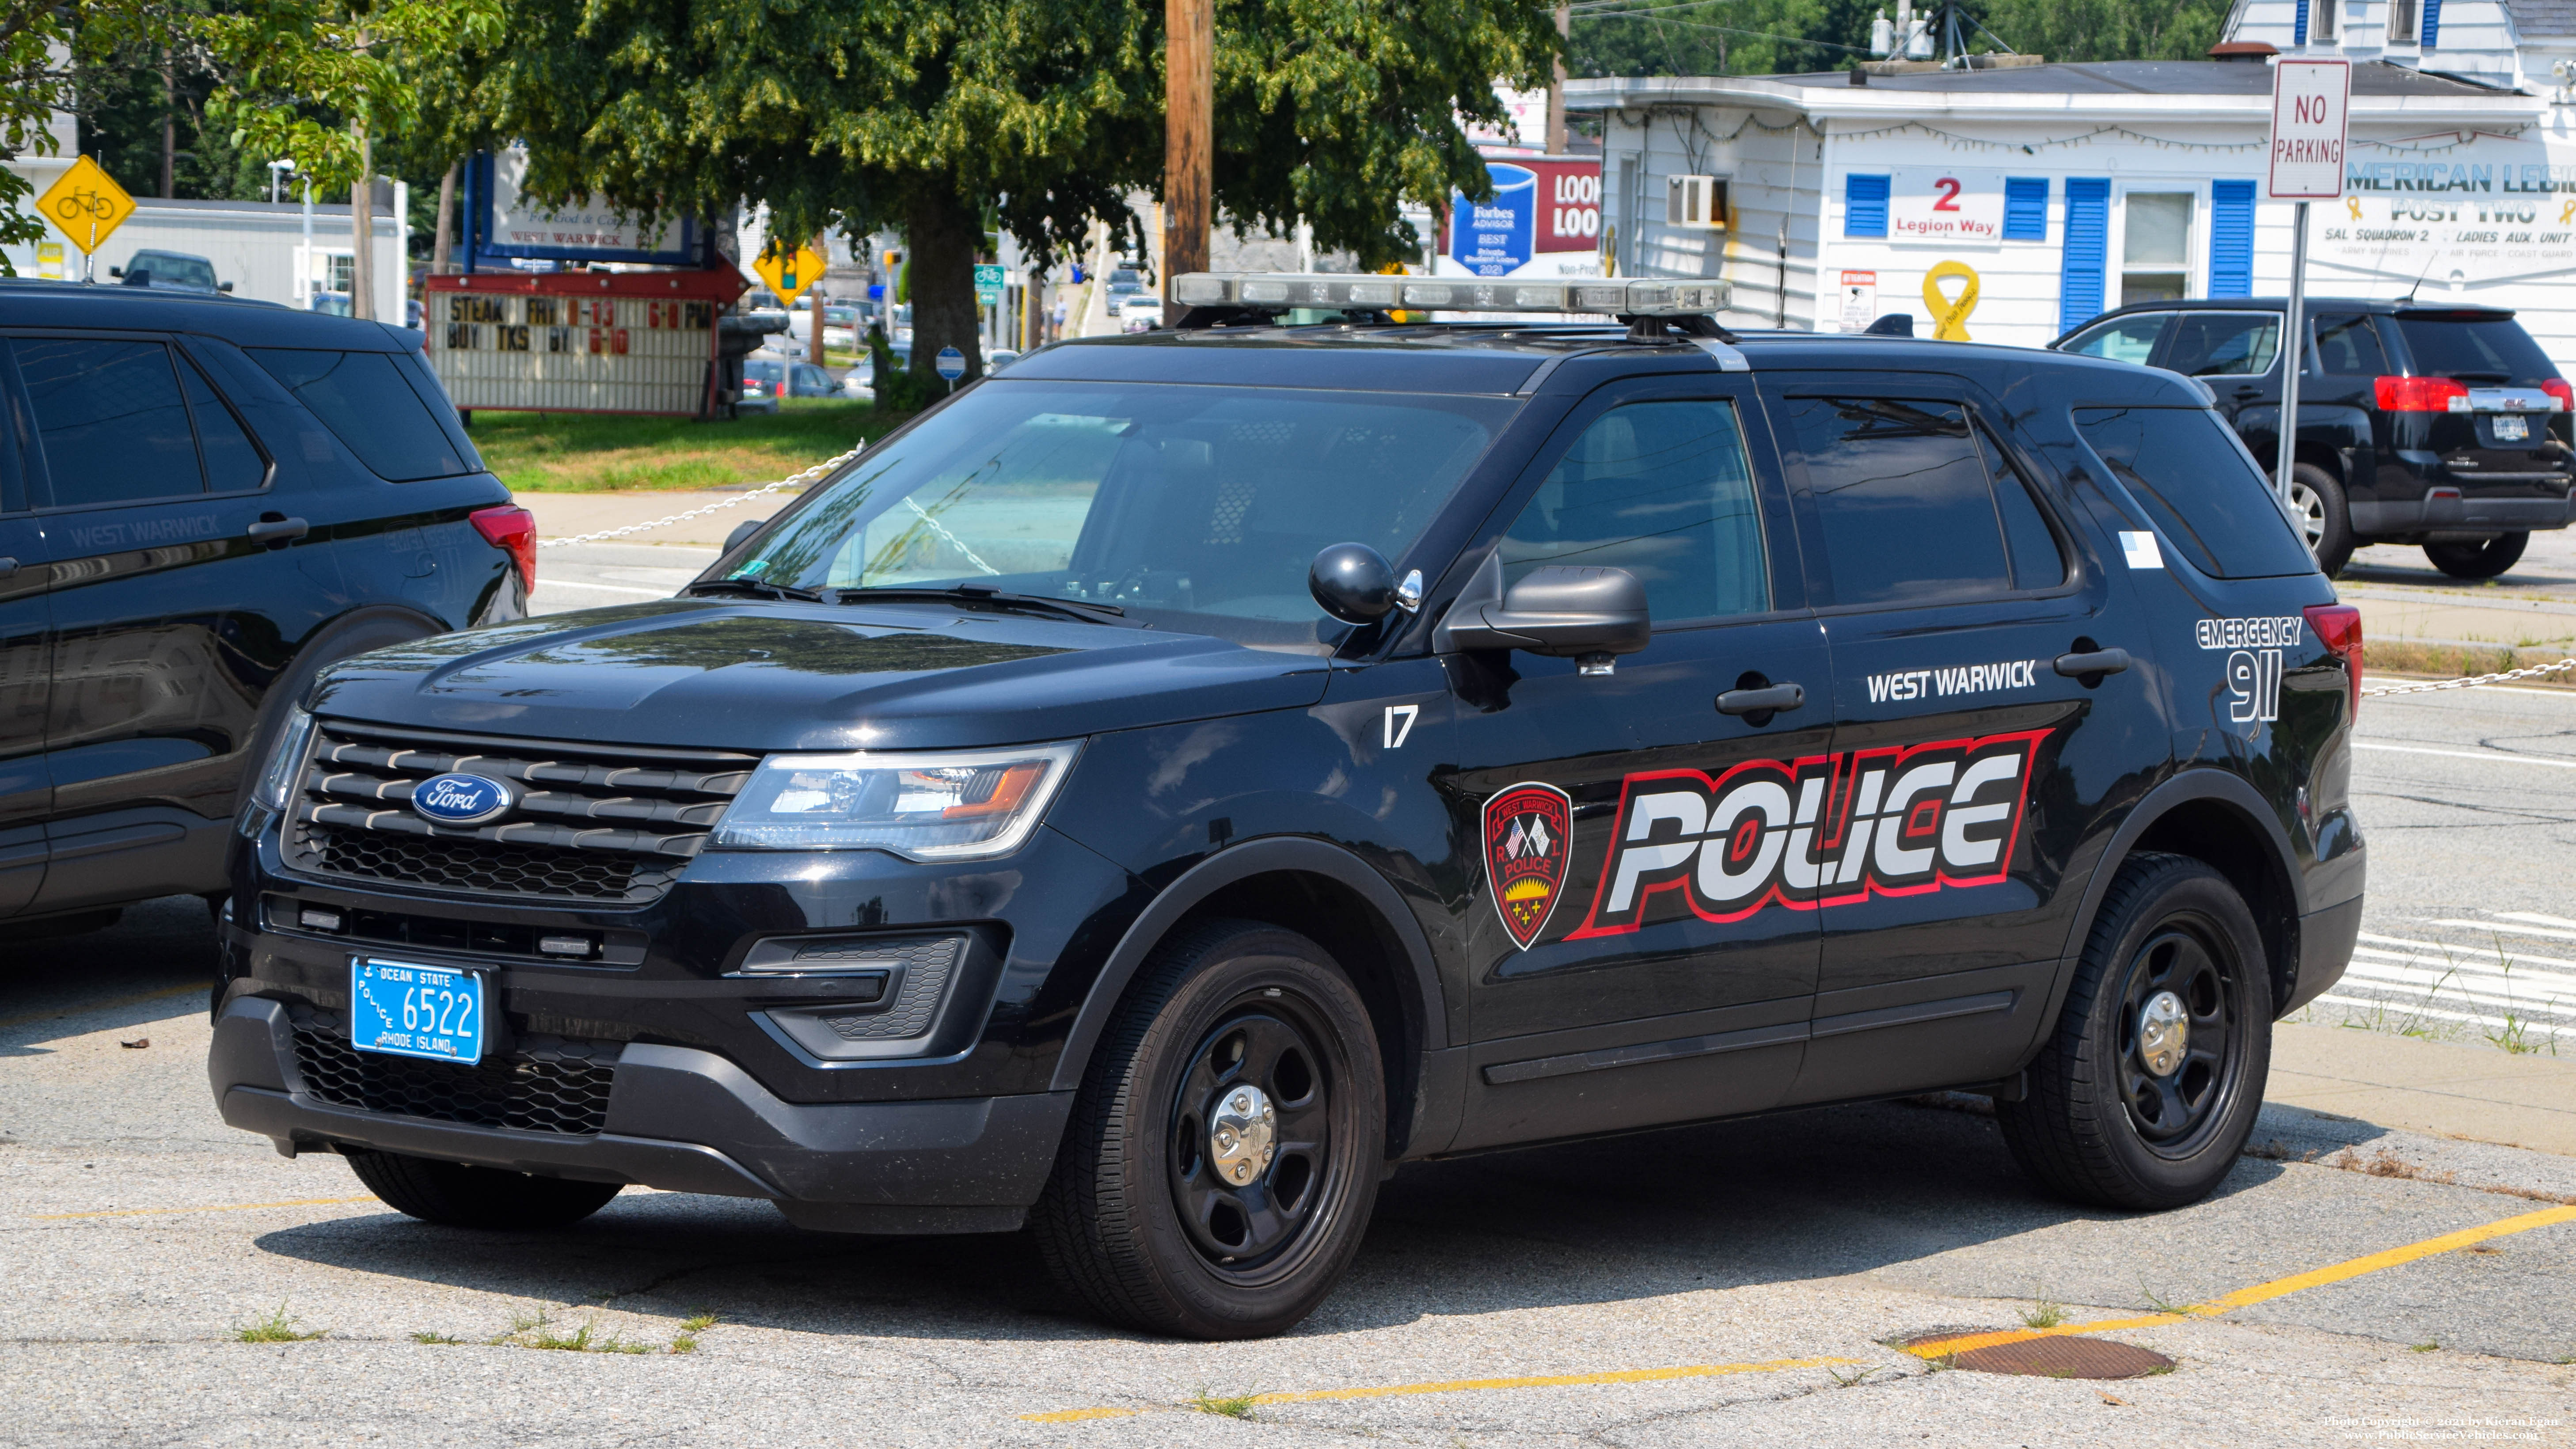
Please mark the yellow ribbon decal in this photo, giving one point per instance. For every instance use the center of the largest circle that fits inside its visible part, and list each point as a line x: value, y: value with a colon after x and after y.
x: 1950, y: 319
x: 2567, y: 213
x: 2353, y: 205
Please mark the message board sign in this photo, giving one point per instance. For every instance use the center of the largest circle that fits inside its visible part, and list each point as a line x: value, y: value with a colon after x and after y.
x: 628, y: 342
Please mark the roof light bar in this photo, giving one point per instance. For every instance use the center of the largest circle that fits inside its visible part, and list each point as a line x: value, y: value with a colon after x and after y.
x: 1597, y: 296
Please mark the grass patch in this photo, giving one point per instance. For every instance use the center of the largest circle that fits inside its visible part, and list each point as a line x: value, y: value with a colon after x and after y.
x: 2048, y: 1313
x: 2158, y: 1301
x: 435, y: 1338
x: 539, y: 1331
x: 686, y: 1341
x: 1238, y: 1406
x: 579, y: 453
x: 2458, y: 661
x: 277, y: 1327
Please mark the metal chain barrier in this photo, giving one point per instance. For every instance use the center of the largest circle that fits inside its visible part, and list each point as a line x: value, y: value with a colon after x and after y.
x: 808, y: 476
x: 2473, y: 681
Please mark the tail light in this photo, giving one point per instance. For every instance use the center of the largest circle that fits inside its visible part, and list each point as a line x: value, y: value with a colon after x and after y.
x: 515, y: 529
x: 2562, y: 398
x: 2338, y: 628
x: 2423, y: 395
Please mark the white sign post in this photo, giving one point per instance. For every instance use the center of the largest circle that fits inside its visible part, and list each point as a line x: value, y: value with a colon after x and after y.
x: 2311, y: 108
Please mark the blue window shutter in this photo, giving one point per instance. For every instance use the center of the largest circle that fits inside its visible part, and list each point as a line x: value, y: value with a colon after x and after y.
x: 2088, y: 246
x: 2432, y: 22
x: 1864, y: 206
x: 2231, y: 238
x: 2299, y: 27
x: 2025, y: 208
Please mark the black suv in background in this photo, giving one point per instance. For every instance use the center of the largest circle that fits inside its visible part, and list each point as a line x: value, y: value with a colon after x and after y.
x: 2419, y: 423
x: 202, y: 502
x: 1164, y: 786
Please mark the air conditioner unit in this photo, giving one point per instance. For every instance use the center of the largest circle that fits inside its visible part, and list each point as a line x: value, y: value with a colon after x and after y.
x: 1696, y: 203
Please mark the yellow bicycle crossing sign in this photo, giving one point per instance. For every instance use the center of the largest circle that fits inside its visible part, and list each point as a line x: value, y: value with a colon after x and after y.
x: 86, y: 205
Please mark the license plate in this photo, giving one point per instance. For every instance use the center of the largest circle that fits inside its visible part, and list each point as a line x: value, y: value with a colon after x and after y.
x: 409, y: 1010
x: 2511, y: 428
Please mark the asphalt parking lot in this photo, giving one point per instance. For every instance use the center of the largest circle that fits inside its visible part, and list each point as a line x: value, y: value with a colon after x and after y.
x: 1747, y: 1283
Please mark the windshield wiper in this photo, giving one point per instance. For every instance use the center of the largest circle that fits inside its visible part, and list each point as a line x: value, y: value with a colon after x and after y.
x: 756, y: 589
x: 1085, y: 610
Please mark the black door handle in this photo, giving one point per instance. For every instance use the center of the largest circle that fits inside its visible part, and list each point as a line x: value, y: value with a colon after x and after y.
x: 278, y: 530
x: 1762, y: 701
x: 2096, y: 662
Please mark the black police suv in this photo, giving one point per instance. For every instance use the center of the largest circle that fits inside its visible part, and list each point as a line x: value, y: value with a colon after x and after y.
x: 1167, y: 785
x: 2419, y: 423
x: 202, y: 502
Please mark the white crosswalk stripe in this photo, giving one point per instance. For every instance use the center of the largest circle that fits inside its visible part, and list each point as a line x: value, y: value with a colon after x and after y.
x: 2469, y: 976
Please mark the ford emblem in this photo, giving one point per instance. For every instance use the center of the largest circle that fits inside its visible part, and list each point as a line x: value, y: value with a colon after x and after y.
x: 460, y: 799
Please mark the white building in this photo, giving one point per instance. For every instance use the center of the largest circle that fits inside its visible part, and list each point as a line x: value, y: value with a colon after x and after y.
x: 2029, y: 199
x: 2503, y: 42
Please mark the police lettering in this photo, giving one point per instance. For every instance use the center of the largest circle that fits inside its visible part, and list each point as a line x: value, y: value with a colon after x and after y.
x: 1828, y: 830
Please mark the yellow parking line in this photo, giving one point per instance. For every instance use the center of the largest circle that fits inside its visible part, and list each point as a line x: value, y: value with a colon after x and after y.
x: 230, y: 1207
x: 197, y: 988
x: 1458, y: 1386
x: 2260, y: 1292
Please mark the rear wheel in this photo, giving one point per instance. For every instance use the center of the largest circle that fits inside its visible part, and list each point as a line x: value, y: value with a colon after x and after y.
x: 2317, y: 506
x: 2483, y: 559
x: 2150, y: 1085
x: 457, y: 1196
x: 1224, y: 1153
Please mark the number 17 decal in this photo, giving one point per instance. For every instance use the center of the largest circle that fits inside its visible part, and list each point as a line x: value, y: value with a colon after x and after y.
x: 1399, y: 723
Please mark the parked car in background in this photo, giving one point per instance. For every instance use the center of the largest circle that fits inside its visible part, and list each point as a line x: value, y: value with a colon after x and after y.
x: 203, y: 504
x: 767, y: 379
x: 177, y: 271
x: 841, y: 327
x: 861, y: 380
x: 2429, y: 424
x: 1140, y: 313
x: 332, y: 304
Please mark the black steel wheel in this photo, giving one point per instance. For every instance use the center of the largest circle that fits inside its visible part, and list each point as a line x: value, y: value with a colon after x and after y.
x: 2149, y: 1086
x: 1226, y: 1145
x: 2182, y: 1026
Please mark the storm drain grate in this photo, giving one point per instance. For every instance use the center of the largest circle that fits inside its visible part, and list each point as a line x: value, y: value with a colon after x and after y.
x: 2065, y: 1357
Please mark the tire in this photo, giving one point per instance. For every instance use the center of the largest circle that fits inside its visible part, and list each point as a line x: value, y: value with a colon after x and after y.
x: 1141, y: 1220
x: 2317, y: 506
x: 2100, y: 1125
x: 454, y: 1195
x: 2484, y: 559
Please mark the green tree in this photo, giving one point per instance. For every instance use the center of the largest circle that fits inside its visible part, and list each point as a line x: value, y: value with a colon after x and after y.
x: 925, y: 114
x: 1759, y: 37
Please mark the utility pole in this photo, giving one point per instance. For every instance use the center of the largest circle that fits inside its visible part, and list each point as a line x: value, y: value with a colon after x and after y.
x: 1556, y: 88
x: 814, y: 331
x: 442, y: 256
x: 1189, y: 123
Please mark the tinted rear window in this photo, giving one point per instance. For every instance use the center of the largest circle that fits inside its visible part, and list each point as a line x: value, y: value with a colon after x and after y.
x: 2465, y: 348
x: 389, y: 412
x: 2198, y: 484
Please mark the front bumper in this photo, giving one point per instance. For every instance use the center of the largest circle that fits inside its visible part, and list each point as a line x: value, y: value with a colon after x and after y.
x: 690, y: 1121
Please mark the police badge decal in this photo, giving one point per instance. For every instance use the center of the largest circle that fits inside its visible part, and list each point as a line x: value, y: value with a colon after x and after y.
x: 1529, y: 830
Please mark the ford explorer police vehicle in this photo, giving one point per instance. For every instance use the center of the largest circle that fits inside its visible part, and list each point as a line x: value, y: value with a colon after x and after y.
x: 1162, y: 788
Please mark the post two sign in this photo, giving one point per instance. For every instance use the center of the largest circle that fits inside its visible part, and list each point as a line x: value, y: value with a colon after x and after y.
x: 2311, y: 108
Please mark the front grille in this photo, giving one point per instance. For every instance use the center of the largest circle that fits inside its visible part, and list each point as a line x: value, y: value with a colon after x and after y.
x: 596, y: 823
x: 549, y: 1084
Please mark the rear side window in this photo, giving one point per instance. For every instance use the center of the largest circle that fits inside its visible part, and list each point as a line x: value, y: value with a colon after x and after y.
x: 111, y: 419
x: 2198, y: 484
x: 1909, y: 508
x: 2474, y: 349
x: 2224, y: 344
x: 2346, y: 344
x: 390, y: 415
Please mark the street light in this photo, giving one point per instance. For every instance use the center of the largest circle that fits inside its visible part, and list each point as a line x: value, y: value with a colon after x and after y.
x: 278, y: 171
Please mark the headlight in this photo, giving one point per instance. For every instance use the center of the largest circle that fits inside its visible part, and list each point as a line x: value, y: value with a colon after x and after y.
x: 277, y: 779
x: 959, y: 805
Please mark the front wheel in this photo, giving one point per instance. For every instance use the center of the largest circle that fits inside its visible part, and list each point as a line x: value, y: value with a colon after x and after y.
x: 2483, y: 559
x: 1225, y: 1150
x: 2317, y: 505
x: 457, y: 1196
x: 2149, y: 1087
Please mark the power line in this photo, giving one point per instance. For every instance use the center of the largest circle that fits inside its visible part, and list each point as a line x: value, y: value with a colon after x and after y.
x: 1726, y: 29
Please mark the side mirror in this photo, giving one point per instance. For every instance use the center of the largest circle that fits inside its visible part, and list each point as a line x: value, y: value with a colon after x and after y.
x: 223, y: 286
x: 1353, y: 582
x: 1587, y: 614
x: 742, y: 533
x: 116, y: 271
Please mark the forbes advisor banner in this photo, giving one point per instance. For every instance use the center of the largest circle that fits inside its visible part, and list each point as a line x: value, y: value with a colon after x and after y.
x: 1544, y: 221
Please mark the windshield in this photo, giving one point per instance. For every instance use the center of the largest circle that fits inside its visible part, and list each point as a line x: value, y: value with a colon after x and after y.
x: 2474, y: 349
x: 169, y: 269
x: 1190, y: 507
